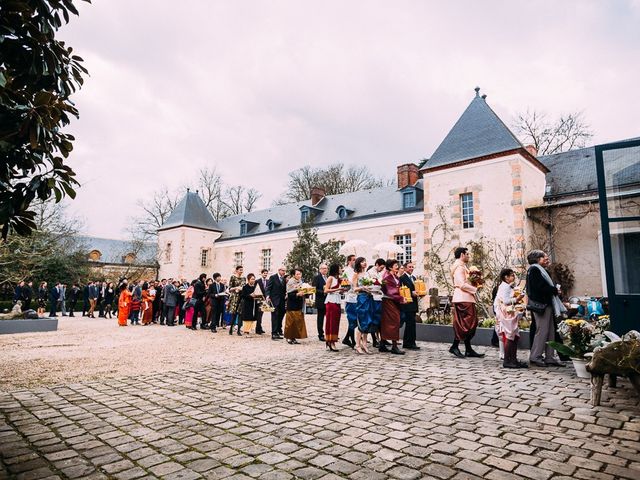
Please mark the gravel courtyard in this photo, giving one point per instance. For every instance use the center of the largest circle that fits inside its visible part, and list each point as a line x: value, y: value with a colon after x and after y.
x: 97, y: 401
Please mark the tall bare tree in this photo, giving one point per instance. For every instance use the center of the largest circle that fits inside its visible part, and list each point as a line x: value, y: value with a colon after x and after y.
x: 569, y: 131
x: 335, y: 179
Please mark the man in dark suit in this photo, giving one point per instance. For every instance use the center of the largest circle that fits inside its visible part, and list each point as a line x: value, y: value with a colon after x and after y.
x: 93, y: 296
x: 318, y: 282
x: 408, y: 311
x: 262, y: 284
x: 199, y: 291
x: 277, y: 293
x: 85, y: 300
x: 54, y: 296
x: 217, y: 298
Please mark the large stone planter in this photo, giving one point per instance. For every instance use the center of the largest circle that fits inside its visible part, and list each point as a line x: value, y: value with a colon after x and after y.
x: 28, y: 326
x: 444, y: 334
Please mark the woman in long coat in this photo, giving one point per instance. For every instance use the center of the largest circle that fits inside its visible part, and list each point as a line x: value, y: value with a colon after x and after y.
x: 236, y: 282
x: 124, y: 305
x: 390, y: 319
x: 146, y: 304
x: 294, y: 326
x: 249, y: 304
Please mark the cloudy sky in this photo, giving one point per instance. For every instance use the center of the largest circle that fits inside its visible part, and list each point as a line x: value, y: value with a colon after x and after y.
x: 259, y: 88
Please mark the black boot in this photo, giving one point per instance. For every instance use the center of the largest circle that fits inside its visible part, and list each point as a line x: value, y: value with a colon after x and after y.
x: 509, y: 355
x: 470, y: 352
x: 396, y: 351
x: 454, y: 350
x: 382, y: 348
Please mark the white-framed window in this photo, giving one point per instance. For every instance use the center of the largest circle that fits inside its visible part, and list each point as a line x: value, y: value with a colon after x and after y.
x: 266, y: 259
x: 238, y: 258
x: 243, y: 229
x: 304, y: 216
x: 204, y: 257
x: 408, y: 199
x: 167, y: 252
x: 466, y: 208
x: 405, y: 242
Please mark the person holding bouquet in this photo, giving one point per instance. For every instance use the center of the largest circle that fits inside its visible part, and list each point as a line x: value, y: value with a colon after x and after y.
x: 507, y: 317
x: 465, y: 317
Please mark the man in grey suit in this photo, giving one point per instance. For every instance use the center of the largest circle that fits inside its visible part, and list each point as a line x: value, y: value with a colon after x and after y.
x: 170, y: 296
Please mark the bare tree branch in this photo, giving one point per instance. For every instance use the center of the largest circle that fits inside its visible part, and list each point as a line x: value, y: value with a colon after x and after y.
x: 566, y: 133
x: 335, y: 179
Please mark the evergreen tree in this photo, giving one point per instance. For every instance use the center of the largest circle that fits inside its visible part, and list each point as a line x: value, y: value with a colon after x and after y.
x: 308, y: 252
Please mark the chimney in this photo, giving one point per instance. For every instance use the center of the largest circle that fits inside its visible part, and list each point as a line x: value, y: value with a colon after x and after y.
x: 408, y: 175
x: 532, y: 150
x: 317, y: 194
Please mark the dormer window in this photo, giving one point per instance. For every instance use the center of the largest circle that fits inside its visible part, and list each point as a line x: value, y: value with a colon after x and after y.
x: 304, y: 216
x: 409, y: 199
x: 271, y: 225
x: 308, y: 213
x: 246, y: 226
x: 343, y: 212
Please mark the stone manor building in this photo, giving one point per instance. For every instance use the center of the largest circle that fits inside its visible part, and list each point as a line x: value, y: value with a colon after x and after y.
x: 480, y: 182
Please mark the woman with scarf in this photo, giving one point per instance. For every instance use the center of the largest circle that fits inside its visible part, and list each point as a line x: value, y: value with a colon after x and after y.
x: 545, y: 306
x: 390, y: 320
x: 294, y: 326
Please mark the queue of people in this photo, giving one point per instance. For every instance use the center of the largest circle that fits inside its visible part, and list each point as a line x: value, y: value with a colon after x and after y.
x: 371, y: 296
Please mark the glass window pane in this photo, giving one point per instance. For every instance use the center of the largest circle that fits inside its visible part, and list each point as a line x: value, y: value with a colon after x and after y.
x: 625, y: 253
x: 621, y: 167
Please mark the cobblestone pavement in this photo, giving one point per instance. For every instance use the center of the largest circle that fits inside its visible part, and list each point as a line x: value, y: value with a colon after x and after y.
x: 325, y: 415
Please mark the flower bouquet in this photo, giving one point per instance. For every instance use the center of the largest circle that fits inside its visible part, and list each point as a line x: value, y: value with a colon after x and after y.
x: 370, y: 285
x: 344, y: 283
x: 475, y: 276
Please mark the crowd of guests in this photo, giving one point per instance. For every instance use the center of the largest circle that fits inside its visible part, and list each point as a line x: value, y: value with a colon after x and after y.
x: 370, y: 294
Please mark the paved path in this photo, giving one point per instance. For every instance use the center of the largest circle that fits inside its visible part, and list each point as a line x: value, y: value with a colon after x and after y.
x: 324, y: 415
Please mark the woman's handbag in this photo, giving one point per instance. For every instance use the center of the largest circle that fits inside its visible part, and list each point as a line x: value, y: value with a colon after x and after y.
x: 536, y: 307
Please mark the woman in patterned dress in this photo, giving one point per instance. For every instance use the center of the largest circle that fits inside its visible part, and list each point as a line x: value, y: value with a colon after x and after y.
x: 236, y: 282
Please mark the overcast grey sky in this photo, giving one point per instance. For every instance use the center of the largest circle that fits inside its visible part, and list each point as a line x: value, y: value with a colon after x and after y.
x: 259, y: 88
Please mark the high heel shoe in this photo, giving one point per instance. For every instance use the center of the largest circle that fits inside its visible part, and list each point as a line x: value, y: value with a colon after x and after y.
x: 364, y: 349
x: 358, y: 351
x: 332, y: 349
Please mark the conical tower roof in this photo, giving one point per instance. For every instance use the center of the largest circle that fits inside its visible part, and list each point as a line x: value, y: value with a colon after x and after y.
x: 191, y: 212
x: 477, y: 133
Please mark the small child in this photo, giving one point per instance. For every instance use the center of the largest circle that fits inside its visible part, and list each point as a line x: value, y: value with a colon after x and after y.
x: 507, y: 318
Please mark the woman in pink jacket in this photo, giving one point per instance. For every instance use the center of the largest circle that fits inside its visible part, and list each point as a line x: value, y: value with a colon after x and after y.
x: 465, y: 317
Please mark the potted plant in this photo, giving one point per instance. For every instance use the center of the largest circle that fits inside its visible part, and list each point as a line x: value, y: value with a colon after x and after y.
x: 580, y: 337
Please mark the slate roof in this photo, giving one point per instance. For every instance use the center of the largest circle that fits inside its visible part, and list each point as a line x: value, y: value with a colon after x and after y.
x: 114, y: 251
x: 191, y: 212
x: 574, y: 172
x: 477, y: 133
x: 363, y: 204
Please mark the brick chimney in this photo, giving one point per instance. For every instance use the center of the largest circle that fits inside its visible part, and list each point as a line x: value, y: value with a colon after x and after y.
x: 532, y: 150
x: 317, y: 194
x: 408, y: 175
